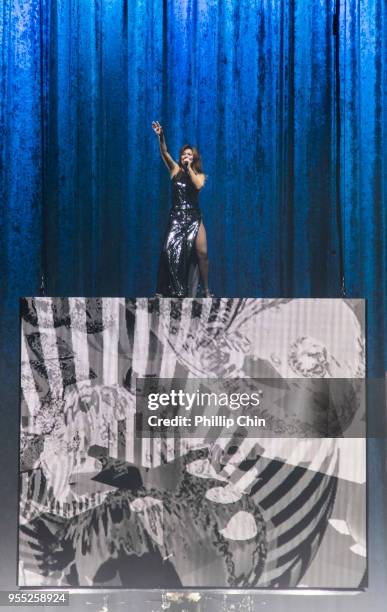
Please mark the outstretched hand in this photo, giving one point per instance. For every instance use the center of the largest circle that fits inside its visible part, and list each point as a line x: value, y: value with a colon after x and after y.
x: 157, y: 128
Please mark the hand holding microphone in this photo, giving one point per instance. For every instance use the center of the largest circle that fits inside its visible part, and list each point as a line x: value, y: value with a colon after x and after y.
x: 187, y: 163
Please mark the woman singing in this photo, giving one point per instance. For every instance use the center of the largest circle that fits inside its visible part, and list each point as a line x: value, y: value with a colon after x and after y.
x: 184, y: 251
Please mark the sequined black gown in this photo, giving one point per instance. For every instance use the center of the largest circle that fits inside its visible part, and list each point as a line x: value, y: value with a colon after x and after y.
x: 178, y: 273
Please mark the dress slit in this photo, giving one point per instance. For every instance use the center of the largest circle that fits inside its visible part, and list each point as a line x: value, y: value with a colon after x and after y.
x: 178, y: 273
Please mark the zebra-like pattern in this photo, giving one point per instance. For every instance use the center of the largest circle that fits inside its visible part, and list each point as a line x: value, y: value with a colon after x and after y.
x: 80, y: 359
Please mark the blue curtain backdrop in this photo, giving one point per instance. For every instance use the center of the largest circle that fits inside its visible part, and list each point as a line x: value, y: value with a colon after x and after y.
x: 363, y: 74
x: 292, y: 176
x: 250, y: 83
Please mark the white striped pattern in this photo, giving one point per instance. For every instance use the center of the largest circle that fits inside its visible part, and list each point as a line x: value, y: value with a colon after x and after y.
x: 49, y: 346
x: 27, y: 383
x: 79, y: 338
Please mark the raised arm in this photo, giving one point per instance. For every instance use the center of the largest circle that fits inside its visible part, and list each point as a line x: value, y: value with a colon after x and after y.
x: 168, y: 160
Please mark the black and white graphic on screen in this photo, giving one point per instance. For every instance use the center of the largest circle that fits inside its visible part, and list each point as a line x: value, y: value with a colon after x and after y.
x: 101, y: 505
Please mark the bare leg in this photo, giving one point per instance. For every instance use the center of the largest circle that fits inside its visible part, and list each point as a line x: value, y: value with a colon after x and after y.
x: 201, y: 251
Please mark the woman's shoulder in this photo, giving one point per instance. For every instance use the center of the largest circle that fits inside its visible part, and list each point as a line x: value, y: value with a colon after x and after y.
x: 176, y: 170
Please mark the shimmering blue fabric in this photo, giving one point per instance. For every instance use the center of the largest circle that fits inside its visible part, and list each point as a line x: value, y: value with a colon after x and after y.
x: 252, y: 83
x: 249, y: 82
x: 21, y: 155
x: 363, y: 72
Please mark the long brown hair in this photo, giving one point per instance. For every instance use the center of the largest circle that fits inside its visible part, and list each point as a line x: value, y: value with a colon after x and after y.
x: 197, y: 160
